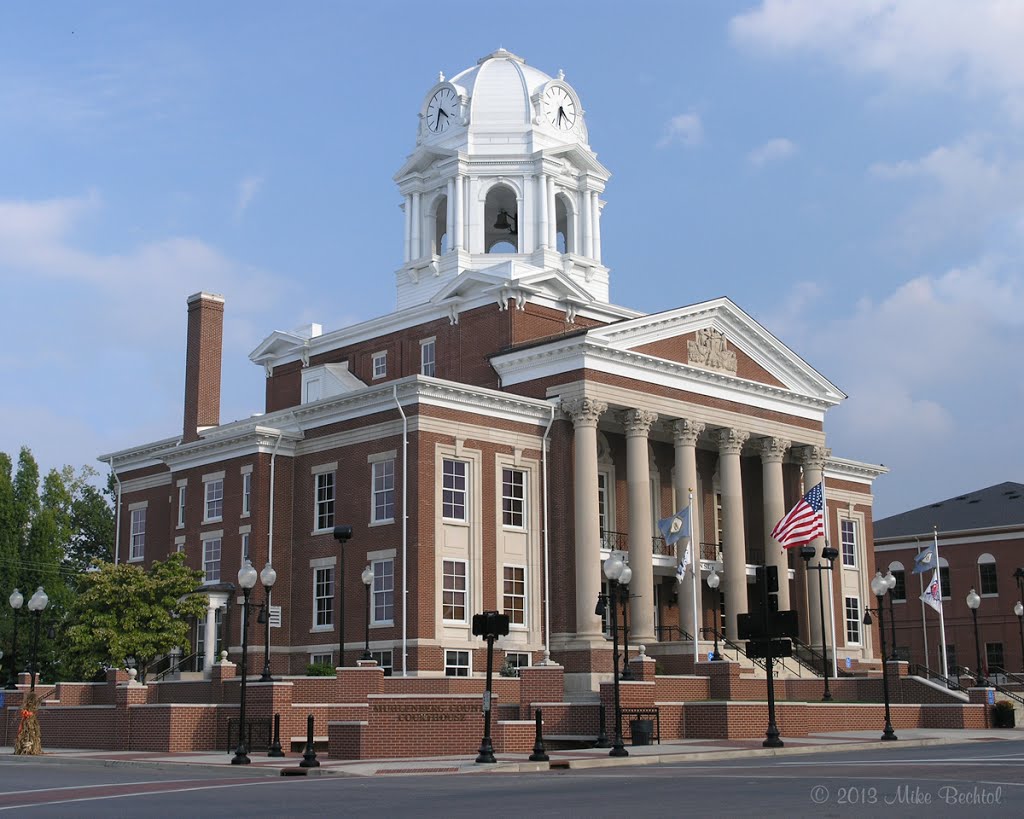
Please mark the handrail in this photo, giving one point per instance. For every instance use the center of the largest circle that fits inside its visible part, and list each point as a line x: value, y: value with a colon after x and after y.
x: 800, y: 648
x: 661, y: 548
x: 614, y: 541
x: 725, y: 642
x: 925, y: 672
x: 671, y: 630
x: 175, y: 666
x: 1013, y: 695
x: 1013, y: 675
x: 710, y: 551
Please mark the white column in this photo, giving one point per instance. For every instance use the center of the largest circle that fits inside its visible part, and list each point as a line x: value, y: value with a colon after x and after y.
x: 734, y: 551
x: 542, y: 210
x: 773, y: 450
x: 641, y: 556
x: 416, y: 247
x: 527, y: 216
x: 587, y: 224
x: 457, y: 219
x: 210, y: 635
x: 553, y: 218
x: 684, y: 436
x: 449, y: 225
x: 813, y: 459
x: 595, y: 215
x: 585, y: 414
x: 408, y: 228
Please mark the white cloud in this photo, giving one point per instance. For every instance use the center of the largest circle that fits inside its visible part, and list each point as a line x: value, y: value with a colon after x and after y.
x: 774, y: 150
x: 936, y: 44
x: 247, y: 190
x: 683, y: 129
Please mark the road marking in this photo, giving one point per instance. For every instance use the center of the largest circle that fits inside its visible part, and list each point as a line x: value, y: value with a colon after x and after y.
x: 107, y: 785
x: 136, y: 795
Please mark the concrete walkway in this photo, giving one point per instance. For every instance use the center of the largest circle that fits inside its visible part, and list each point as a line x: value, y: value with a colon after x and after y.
x: 690, y: 750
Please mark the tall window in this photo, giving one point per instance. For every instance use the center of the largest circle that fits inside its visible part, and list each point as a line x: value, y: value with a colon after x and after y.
x: 383, y: 602
x: 323, y: 597
x: 456, y: 663
x: 427, y: 357
x: 384, y: 491
x: 211, y: 560
x: 453, y: 591
x: 602, y: 502
x: 245, y: 547
x: 513, y: 498
x: 852, y: 620
x: 385, y: 659
x: 987, y: 575
x: 848, y: 534
x: 214, y: 500
x: 899, y: 591
x: 138, y: 538
x: 380, y: 364
x: 181, y: 506
x: 514, y: 597
x: 324, y: 511
x: 246, y: 493
x: 944, y: 582
x: 994, y: 656
x: 453, y: 489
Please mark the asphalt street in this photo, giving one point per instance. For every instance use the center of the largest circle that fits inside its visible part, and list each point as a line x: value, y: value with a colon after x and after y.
x: 972, y: 779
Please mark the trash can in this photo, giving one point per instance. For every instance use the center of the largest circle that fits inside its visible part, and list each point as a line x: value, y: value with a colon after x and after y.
x: 642, y: 731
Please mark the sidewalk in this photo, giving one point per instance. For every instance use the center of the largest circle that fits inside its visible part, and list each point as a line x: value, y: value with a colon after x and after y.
x: 689, y: 750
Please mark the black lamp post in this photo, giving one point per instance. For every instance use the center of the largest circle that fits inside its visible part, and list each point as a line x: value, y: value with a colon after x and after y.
x: 613, y: 569
x: 1018, y: 609
x: 246, y: 580
x: 973, y: 601
x: 342, y: 534
x: 36, y: 604
x: 17, y: 599
x: 714, y: 581
x: 623, y: 589
x: 367, y: 577
x: 879, y: 588
x: 807, y: 552
x: 890, y: 581
x: 267, y: 577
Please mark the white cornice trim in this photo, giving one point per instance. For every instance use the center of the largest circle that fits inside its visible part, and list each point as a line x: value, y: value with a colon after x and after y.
x: 958, y: 538
x: 857, y: 471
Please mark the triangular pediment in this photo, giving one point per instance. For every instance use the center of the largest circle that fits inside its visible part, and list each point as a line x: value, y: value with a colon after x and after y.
x: 512, y: 278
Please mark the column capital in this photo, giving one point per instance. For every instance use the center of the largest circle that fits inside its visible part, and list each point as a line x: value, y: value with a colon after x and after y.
x: 686, y: 431
x: 584, y: 411
x: 814, y: 457
x: 773, y: 450
x: 731, y: 440
x: 638, y: 422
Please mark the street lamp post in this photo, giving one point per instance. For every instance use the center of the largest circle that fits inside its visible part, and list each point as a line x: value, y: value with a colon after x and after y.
x: 879, y: 588
x: 973, y: 601
x: 267, y: 577
x: 16, y: 600
x: 613, y: 569
x: 342, y: 534
x: 807, y: 552
x: 714, y: 580
x: 1018, y: 609
x: 37, y: 602
x: 246, y: 579
x: 623, y: 586
x: 367, y: 582
x: 890, y: 581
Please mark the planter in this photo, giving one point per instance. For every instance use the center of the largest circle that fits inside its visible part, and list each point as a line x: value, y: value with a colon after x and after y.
x: 1003, y: 718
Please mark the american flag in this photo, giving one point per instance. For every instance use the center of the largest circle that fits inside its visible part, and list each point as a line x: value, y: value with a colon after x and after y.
x: 804, y: 522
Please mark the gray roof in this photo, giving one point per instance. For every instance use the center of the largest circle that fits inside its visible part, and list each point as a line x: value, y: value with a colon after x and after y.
x: 997, y: 506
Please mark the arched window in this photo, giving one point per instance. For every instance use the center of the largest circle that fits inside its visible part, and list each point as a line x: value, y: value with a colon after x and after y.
x: 439, y: 239
x: 501, y: 220
x: 565, y: 241
x: 987, y: 583
x: 899, y: 591
x: 947, y: 590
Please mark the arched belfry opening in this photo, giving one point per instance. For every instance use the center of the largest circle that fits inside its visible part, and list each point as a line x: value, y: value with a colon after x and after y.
x: 438, y: 232
x: 565, y: 240
x: 501, y: 220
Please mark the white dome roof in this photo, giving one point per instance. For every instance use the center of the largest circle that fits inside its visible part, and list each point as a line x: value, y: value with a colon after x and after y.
x: 499, y: 87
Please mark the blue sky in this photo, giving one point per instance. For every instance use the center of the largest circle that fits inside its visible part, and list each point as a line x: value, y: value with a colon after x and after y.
x: 851, y: 174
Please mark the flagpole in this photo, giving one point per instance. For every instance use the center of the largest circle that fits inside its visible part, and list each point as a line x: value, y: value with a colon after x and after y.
x: 942, y: 616
x: 924, y: 619
x: 831, y: 599
x: 695, y: 571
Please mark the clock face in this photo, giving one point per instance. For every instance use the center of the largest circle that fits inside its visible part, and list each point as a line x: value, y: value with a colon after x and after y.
x: 442, y: 110
x: 559, y: 108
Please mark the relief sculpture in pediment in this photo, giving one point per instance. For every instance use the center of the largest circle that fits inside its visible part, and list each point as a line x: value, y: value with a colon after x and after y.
x: 709, y: 350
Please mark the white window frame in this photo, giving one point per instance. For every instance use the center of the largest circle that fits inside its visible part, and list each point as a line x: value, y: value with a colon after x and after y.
x: 854, y: 621
x: 380, y: 364
x: 428, y: 357
x: 453, y: 658
x: 327, y: 609
x: 213, y: 500
x: 382, y: 491
x: 246, y: 494
x: 137, y: 539
x: 318, y: 658
x: 181, y: 506
x: 382, y: 596
x: 451, y: 493
x: 523, y: 598
x: 328, y: 504
x: 987, y: 560
x: 246, y: 539
x: 518, y: 663
x: 514, y: 510
x: 848, y: 526
x: 208, y: 547
x: 450, y: 588
x: 385, y: 659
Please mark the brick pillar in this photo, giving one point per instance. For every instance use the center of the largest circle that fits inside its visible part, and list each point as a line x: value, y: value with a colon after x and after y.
x: 356, y: 684
x: 540, y: 683
x: 643, y: 667
x: 126, y: 695
x: 980, y: 696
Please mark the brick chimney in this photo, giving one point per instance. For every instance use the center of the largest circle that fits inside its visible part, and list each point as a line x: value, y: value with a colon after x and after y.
x: 202, y: 364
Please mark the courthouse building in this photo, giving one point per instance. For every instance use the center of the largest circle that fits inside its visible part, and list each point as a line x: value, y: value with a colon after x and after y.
x: 494, y: 438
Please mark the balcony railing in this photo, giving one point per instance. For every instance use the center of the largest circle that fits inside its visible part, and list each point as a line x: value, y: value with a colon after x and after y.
x: 711, y: 551
x: 615, y: 541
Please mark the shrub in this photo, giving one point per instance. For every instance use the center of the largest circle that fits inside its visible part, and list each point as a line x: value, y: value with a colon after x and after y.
x: 319, y: 670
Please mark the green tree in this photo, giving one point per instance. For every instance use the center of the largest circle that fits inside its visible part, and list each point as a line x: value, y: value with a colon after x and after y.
x: 92, y: 524
x: 26, y: 496
x: 124, y: 611
x: 9, y: 546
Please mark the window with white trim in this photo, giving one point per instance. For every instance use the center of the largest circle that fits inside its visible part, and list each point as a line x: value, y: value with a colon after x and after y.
x: 453, y: 489
x: 211, y: 560
x: 456, y: 663
x: 852, y: 621
x: 137, y: 544
x: 324, y: 508
x: 513, y: 498
x: 385, y: 659
x: 383, y: 474
x: 214, y: 500
x: 246, y: 493
x: 245, y: 547
x: 514, y: 594
x: 321, y: 659
x: 453, y: 591
x: 380, y: 364
x: 899, y: 591
x: 944, y: 585
x: 427, y: 360
x: 994, y: 657
x: 383, y: 601
x: 323, y: 597
x: 987, y: 582
x: 848, y: 538
x: 602, y: 503
x: 181, y: 506
x: 516, y: 660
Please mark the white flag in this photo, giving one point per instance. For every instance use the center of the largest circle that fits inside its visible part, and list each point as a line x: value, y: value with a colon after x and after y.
x: 687, y: 560
x: 933, y: 594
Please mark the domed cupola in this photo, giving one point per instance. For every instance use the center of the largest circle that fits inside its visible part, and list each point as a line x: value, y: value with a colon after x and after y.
x: 502, y: 183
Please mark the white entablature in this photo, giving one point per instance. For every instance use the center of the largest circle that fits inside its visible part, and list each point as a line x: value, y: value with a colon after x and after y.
x: 502, y: 170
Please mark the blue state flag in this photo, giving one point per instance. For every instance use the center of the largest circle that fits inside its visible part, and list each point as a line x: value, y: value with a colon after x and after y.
x: 927, y: 560
x: 676, y: 527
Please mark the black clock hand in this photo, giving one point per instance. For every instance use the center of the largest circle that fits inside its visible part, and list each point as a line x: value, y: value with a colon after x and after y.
x: 561, y: 115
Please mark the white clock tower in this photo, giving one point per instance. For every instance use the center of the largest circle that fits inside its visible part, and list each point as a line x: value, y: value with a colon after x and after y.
x: 502, y: 191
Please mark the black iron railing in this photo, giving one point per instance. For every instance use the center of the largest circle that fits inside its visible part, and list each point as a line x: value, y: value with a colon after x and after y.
x: 660, y: 547
x: 183, y: 664
x: 668, y: 633
x: 1013, y: 695
x: 711, y: 551
x: 810, y: 658
x: 615, y: 541
x: 1011, y: 676
x: 258, y: 733
x: 926, y: 673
